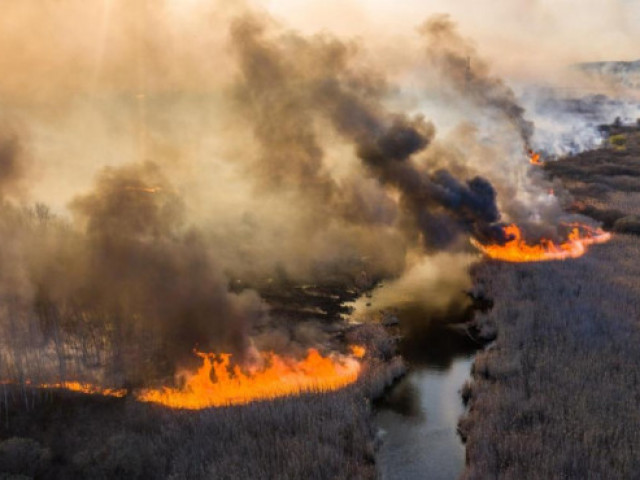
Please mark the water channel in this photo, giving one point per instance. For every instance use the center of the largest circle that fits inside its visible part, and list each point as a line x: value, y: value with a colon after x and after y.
x: 418, y: 417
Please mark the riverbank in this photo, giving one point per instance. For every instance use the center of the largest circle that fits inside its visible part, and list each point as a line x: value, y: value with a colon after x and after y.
x: 556, y: 395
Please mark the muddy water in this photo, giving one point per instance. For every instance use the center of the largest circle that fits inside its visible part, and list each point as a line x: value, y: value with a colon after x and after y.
x: 417, y: 419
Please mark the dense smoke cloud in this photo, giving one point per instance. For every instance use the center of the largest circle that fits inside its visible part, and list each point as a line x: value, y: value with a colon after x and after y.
x: 200, y: 153
x: 285, y: 96
x: 122, y: 295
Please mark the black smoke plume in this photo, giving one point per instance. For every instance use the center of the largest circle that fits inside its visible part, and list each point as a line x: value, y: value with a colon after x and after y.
x: 143, y: 260
x: 289, y: 81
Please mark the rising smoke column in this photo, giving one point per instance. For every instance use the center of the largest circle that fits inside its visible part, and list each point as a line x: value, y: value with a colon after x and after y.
x: 441, y: 205
x: 144, y: 261
x: 462, y: 70
x: 334, y: 227
x: 465, y: 72
x: 316, y: 77
x: 122, y: 294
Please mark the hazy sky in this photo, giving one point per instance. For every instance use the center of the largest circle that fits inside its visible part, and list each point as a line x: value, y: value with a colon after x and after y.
x: 72, y: 68
x: 507, y: 31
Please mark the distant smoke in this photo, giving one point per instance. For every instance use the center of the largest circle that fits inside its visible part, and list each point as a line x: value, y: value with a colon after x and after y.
x: 567, y: 122
x: 457, y: 60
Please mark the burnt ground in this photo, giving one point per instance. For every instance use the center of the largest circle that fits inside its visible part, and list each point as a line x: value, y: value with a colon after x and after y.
x: 556, y: 396
x: 61, y: 435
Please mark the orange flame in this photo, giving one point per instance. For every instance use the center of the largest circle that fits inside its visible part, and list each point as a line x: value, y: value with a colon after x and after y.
x: 518, y: 250
x: 86, y: 388
x: 358, y: 351
x: 534, y: 158
x: 281, y: 377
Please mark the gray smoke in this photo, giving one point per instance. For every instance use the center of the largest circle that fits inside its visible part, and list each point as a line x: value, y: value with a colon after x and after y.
x: 456, y: 59
x: 14, y: 163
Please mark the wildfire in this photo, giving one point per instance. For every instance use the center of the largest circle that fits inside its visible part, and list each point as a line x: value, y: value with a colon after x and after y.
x: 534, y: 158
x: 279, y: 377
x: 86, y: 388
x: 217, y: 383
x: 518, y: 250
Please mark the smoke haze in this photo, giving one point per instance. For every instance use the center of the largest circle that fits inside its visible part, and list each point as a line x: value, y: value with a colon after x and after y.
x: 162, y: 162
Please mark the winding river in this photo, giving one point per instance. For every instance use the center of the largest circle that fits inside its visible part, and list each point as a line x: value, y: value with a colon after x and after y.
x: 417, y: 418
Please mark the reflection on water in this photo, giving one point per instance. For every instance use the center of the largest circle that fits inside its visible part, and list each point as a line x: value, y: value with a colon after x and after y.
x: 419, y: 416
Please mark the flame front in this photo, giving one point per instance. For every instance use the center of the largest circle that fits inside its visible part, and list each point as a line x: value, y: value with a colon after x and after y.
x: 89, y: 388
x: 518, y: 250
x: 280, y: 377
x: 534, y: 158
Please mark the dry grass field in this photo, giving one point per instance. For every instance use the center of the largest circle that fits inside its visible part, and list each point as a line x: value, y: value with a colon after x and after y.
x: 556, y: 395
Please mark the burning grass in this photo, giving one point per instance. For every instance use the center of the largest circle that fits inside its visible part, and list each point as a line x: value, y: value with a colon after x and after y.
x: 517, y: 249
x: 309, y: 435
x: 275, y: 376
x: 219, y: 383
x: 84, y: 387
